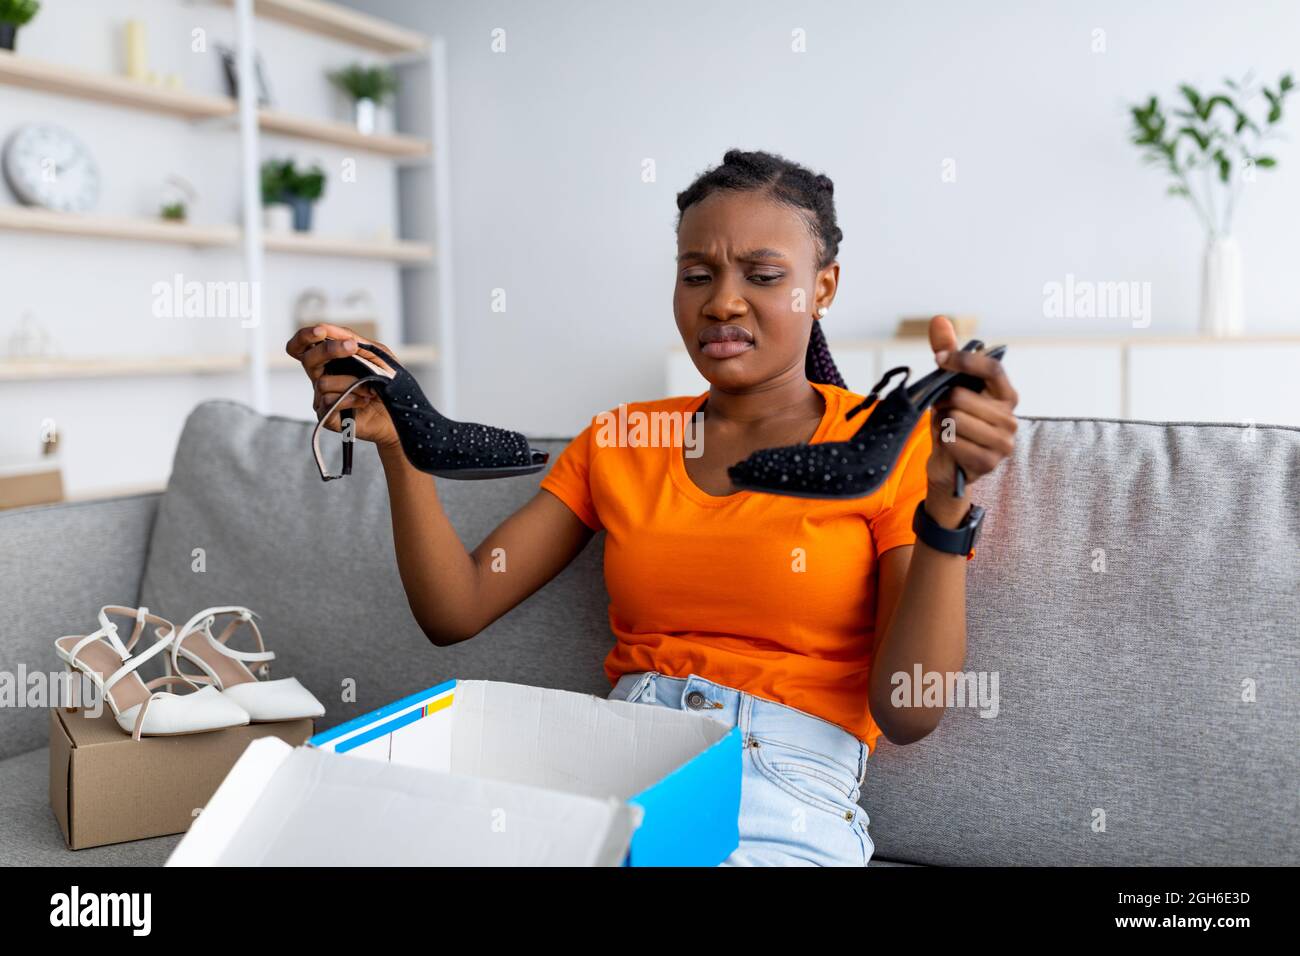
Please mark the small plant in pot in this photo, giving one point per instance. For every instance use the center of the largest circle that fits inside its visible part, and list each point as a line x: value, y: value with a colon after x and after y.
x: 369, y: 87
x: 14, y: 14
x: 1211, y: 144
x: 283, y: 183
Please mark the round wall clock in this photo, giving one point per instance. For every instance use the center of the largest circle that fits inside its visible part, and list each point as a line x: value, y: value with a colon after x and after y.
x: 46, y: 165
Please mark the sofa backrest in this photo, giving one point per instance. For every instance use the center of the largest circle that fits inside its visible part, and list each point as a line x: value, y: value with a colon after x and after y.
x: 59, y: 564
x: 1136, y: 592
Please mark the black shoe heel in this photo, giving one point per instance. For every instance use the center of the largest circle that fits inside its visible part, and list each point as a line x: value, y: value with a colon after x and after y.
x: 857, y: 467
x: 432, y: 443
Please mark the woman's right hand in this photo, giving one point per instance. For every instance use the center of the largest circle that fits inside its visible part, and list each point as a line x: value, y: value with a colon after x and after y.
x: 314, y: 346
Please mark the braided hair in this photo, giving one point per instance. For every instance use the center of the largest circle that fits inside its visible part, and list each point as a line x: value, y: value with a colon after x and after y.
x: 801, y: 189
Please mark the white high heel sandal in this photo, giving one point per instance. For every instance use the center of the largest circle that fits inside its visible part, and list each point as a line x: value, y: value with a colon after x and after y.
x: 139, y: 709
x: 265, y: 700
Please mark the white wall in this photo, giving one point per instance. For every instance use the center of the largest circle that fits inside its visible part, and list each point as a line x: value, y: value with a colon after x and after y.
x: 548, y: 138
x: 95, y: 297
x: 547, y: 142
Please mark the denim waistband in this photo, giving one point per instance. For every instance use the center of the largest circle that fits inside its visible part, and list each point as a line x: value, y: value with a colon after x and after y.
x: 757, y: 717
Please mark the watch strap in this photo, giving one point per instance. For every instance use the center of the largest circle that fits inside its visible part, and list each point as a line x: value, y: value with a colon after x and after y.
x: 959, y: 540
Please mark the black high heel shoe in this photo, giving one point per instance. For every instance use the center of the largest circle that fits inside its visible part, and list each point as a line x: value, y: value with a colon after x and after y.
x: 857, y: 467
x: 432, y: 442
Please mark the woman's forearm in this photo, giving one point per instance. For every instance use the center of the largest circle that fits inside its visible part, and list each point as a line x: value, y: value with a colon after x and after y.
x: 439, y: 575
x: 927, y: 629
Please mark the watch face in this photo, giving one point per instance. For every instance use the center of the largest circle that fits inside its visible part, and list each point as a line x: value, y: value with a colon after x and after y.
x: 45, y: 165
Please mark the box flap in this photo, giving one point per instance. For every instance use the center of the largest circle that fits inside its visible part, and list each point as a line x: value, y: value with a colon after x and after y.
x: 310, y: 807
x: 681, y: 828
x: 210, y: 835
x: 578, y: 743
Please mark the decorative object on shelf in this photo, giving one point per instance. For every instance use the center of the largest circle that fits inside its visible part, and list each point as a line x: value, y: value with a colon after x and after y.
x: 178, y: 196
x: 277, y: 218
x: 1215, y: 134
x: 910, y: 327
x: 30, y: 340
x: 230, y: 65
x: 45, y: 165
x: 369, y: 87
x: 35, y: 483
x: 137, y: 50
x: 297, y: 188
x: 15, y: 14
x: 357, y: 312
x: 137, y: 58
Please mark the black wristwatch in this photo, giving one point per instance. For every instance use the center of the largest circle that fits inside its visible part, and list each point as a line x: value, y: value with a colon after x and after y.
x: 959, y: 540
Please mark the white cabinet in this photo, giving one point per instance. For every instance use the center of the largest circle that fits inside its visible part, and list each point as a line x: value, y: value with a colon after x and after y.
x: 1229, y: 382
x: 1190, y: 380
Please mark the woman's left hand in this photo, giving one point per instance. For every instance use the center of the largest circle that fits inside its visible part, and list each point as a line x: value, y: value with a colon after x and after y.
x: 975, y: 430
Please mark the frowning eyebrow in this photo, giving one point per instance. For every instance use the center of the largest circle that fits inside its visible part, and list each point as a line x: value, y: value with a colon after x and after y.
x: 754, y: 255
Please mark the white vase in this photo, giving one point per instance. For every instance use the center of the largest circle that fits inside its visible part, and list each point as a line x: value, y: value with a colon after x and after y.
x: 1222, y: 311
x: 365, y: 115
x: 277, y: 217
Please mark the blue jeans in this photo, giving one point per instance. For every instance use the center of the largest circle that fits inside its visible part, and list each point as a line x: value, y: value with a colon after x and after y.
x: 800, y: 779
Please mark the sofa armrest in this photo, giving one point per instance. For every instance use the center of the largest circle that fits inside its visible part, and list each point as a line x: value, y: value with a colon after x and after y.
x: 58, y: 565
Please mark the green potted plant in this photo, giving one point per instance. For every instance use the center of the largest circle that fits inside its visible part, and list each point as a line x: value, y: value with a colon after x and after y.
x: 369, y: 87
x: 177, y: 195
x: 1211, y: 145
x: 284, y: 184
x: 14, y: 14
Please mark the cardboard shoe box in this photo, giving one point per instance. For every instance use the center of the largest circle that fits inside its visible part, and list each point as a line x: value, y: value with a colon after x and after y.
x: 483, y: 773
x: 107, y: 788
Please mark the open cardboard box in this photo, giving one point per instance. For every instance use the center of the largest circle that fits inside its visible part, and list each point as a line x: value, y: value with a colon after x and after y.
x: 482, y: 773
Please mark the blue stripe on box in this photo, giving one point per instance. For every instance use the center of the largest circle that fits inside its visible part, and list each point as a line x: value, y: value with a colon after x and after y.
x: 383, y: 730
x: 325, y: 736
x: 692, y: 816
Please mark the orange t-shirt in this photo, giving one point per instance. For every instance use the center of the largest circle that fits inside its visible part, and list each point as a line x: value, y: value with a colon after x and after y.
x: 769, y: 594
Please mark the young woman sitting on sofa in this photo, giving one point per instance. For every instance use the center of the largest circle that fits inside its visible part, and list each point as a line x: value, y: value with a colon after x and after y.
x: 788, y: 616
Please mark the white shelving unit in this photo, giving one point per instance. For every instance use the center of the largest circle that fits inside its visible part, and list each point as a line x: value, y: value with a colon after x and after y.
x: 406, y: 51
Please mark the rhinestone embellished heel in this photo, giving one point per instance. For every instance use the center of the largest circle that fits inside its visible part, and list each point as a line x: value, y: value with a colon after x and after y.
x: 432, y: 442
x: 857, y: 467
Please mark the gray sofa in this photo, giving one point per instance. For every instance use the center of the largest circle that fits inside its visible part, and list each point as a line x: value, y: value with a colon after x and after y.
x: 1136, y: 592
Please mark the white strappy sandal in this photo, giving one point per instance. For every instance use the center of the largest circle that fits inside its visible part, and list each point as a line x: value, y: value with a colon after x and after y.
x: 264, y: 700
x: 140, y: 710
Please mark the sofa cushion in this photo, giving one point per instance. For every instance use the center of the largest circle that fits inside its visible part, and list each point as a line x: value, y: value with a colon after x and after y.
x: 1125, y: 686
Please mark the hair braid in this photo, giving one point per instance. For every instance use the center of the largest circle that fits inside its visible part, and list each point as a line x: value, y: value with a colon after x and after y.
x: 811, y: 194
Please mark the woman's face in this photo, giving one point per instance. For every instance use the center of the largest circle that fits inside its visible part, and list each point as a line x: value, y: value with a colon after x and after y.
x: 747, y: 275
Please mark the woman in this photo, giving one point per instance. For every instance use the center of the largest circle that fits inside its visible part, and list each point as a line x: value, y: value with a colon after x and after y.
x: 785, y: 616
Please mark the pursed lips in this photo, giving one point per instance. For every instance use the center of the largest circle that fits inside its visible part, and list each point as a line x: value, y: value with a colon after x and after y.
x: 726, y: 333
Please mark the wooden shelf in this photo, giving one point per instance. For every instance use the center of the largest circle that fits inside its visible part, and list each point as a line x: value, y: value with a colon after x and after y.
x: 119, y: 91
x: 341, y: 134
x: 29, y: 219
x: 53, y: 369
x: 341, y: 23
x: 312, y: 244
x: 105, y: 88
